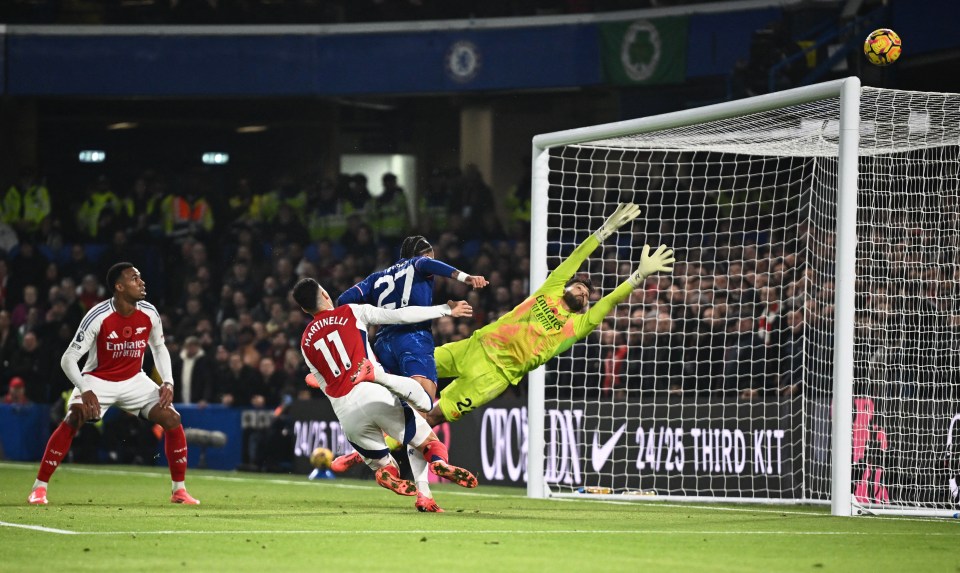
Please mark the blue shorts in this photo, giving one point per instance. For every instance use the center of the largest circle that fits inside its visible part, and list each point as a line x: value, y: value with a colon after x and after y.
x: 407, y: 354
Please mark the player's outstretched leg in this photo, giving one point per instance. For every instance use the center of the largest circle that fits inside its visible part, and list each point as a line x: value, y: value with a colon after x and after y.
x: 389, y: 477
x: 407, y: 389
x: 342, y: 463
x: 435, y: 452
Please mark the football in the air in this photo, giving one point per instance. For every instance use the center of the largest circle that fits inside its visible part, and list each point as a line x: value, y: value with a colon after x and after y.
x: 321, y: 458
x: 882, y: 47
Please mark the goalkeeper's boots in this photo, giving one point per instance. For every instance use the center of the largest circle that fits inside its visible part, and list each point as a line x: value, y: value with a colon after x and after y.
x: 342, y: 463
x: 427, y: 504
x: 457, y: 475
x: 389, y: 477
x: 181, y: 496
x: 364, y: 372
x: 38, y: 496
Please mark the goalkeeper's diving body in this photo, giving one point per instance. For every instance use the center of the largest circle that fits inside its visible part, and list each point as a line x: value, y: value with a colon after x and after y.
x: 545, y: 324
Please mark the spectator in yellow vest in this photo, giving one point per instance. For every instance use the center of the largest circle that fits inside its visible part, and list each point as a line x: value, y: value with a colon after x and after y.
x: 358, y: 195
x: 142, y: 207
x: 327, y: 217
x: 26, y: 204
x: 518, y: 203
x: 99, y: 198
x: 242, y: 202
x: 390, y: 217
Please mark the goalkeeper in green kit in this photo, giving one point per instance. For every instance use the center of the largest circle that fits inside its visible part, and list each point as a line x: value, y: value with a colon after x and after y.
x: 547, y: 323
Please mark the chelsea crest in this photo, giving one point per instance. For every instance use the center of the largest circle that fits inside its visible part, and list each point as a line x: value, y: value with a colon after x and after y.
x: 462, y: 61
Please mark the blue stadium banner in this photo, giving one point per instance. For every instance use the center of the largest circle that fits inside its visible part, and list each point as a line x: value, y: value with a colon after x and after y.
x: 401, y: 62
x: 642, y: 52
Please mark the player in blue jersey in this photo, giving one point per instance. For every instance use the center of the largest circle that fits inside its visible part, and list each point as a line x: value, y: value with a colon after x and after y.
x: 407, y: 349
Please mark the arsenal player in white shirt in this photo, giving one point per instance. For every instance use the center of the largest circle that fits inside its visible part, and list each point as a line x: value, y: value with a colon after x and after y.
x: 114, y: 335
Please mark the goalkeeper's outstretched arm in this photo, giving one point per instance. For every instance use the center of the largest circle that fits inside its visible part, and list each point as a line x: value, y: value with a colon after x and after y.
x: 625, y: 213
x: 659, y: 261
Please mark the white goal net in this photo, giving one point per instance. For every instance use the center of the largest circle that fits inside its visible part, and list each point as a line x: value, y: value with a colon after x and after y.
x: 813, y: 314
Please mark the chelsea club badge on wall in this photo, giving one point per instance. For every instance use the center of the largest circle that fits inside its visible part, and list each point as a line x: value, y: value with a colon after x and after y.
x: 463, y: 61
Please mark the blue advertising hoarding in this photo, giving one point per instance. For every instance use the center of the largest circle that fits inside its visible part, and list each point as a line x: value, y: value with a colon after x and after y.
x: 302, y: 64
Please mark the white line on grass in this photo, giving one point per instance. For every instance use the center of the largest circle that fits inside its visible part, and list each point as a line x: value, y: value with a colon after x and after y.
x: 693, y: 506
x: 470, y: 532
x: 38, y: 528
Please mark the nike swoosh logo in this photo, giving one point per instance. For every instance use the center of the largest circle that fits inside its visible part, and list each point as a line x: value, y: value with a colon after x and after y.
x: 601, y: 453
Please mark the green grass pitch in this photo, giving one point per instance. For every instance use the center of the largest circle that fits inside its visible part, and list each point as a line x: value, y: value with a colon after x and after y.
x: 118, y: 518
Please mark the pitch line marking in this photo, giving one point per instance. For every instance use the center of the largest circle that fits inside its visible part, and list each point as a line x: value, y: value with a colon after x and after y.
x: 39, y: 528
x: 665, y: 503
x: 467, y: 531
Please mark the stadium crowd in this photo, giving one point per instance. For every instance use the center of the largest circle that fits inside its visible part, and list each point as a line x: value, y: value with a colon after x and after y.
x: 220, y: 266
x: 731, y: 321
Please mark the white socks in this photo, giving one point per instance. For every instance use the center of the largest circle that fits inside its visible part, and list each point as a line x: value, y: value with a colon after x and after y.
x: 407, y: 389
x: 418, y: 465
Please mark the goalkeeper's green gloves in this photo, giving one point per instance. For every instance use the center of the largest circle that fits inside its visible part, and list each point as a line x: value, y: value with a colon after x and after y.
x: 625, y: 213
x: 650, y: 264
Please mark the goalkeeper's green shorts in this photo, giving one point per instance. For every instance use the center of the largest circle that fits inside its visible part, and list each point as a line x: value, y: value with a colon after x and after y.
x: 477, y: 380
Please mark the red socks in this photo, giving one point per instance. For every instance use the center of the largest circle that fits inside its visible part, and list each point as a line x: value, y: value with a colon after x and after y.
x: 436, y: 450
x: 57, y: 447
x: 175, y: 446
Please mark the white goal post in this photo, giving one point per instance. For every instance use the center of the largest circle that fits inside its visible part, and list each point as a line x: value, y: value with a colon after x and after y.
x: 806, y: 348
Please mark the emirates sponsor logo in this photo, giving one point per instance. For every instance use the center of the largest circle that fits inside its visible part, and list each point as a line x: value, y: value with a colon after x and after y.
x: 129, y: 345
